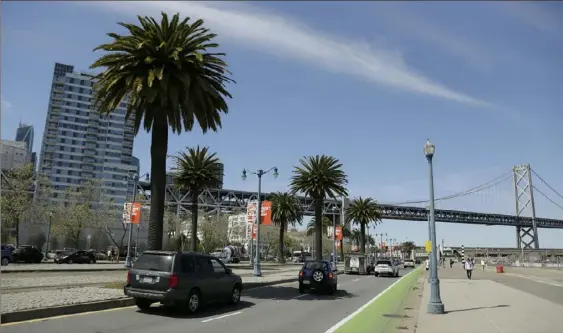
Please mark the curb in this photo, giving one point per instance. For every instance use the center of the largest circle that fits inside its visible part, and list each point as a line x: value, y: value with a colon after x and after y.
x: 121, y: 269
x: 44, y: 313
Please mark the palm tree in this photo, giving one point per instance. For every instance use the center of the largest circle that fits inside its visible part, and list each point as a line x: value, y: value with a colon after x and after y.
x: 319, y: 177
x: 286, y: 210
x: 363, y: 212
x: 312, y: 226
x: 407, y: 247
x: 171, y: 78
x: 197, y: 170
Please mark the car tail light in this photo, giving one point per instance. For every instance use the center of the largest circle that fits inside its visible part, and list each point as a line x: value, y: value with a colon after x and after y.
x: 330, y: 276
x: 300, y: 273
x: 173, y: 281
x: 129, y: 277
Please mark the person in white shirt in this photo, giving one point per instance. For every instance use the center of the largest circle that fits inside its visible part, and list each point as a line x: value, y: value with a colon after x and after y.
x: 469, y: 268
x: 483, y: 264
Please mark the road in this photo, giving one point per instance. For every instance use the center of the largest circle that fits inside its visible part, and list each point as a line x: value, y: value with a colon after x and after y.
x: 268, y: 309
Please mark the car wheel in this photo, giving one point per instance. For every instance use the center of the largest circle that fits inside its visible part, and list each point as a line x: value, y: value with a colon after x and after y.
x: 301, y: 289
x: 194, y: 301
x: 91, y: 261
x: 235, y: 294
x: 376, y: 274
x: 318, y: 276
x: 70, y: 261
x: 5, y: 261
x: 143, y: 304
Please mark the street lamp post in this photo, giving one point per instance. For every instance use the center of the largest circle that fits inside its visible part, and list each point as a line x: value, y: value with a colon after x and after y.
x: 128, y: 262
x: 435, y: 305
x: 258, y: 222
x: 334, y: 237
x: 49, y: 234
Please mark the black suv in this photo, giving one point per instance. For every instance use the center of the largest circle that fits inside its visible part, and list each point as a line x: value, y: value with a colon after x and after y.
x: 317, y: 274
x: 181, y: 279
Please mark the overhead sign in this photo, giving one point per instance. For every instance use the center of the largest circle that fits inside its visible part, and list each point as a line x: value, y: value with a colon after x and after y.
x: 266, y: 212
x: 132, y: 212
x: 428, y: 246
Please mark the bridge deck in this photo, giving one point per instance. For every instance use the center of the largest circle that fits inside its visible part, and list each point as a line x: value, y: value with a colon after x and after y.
x: 233, y: 199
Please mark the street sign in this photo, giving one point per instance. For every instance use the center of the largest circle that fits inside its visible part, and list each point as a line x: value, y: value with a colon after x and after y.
x: 428, y: 246
x: 339, y: 235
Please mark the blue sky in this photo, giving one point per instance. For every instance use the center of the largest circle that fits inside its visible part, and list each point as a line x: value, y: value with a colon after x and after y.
x: 367, y: 82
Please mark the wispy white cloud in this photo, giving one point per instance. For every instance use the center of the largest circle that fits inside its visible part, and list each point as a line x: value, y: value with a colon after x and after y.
x: 6, y: 105
x: 281, y: 36
x: 408, y: 22
x: 536, y: 15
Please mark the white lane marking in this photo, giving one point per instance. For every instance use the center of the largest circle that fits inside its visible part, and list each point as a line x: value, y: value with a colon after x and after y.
x: 355, y: 280
x: 352, y: 315
x: 221, y: 317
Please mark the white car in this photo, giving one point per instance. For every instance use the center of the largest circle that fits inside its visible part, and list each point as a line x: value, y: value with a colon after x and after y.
x: 386, y: 267
x: 408, y: 263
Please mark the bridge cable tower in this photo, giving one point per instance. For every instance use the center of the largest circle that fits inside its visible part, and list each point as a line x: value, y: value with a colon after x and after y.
x: 526, y: 236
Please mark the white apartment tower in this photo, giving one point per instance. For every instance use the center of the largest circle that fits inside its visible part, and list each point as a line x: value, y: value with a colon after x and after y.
x: 79, y: 144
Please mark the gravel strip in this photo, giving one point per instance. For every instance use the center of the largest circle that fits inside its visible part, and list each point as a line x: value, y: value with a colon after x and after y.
x: 50, y: 298
x: 61, y: 279
x: 9, y: 282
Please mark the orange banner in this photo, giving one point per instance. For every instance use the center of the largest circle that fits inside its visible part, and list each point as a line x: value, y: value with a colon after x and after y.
x: 266, y: 212
x: 339, y: 235
x: 136, y: 213
x: 132, y: 213
x: 254, y: 231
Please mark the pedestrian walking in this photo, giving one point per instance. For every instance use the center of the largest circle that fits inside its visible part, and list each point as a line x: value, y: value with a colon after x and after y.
x: 483, y: 264
x: 469, y: 268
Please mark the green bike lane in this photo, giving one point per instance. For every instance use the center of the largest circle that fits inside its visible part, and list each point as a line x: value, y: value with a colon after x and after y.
x: 268, y: 309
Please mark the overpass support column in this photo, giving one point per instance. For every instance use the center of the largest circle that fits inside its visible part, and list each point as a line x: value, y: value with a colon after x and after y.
x: 526, y: 235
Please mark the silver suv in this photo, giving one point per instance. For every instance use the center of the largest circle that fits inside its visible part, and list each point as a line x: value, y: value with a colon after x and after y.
x: 386, y: 267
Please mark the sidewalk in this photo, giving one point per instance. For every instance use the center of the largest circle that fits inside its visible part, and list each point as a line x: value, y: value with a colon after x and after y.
x: 487, y: 306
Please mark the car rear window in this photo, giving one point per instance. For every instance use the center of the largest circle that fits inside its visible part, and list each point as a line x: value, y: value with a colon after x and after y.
x: 384, y: 262
x: 316, y: 265
x: 154, y: 262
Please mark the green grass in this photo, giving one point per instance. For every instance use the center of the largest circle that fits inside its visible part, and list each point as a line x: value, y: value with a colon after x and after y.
x: 371, y: 319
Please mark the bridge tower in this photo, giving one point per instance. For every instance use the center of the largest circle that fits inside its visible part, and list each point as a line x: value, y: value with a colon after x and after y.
x: 526, y: 237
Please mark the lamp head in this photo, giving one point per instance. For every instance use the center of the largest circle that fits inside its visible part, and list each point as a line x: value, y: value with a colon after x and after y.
x: 429, y: 149
x: 243, y: 174
x: 147, y: 177
x: 276, y: 174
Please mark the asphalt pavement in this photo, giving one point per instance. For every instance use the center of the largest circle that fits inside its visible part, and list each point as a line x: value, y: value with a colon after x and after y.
x: 267, y: 309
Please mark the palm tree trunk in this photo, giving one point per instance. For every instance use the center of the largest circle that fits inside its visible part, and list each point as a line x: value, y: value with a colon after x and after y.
x: 282, y: 254
x: 319, y: 229
x: 159, y: 149
x: 193, y: 234
x: 363, y: 238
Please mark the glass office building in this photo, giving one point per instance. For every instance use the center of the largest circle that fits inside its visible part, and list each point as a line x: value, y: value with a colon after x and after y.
x: 79, y: 144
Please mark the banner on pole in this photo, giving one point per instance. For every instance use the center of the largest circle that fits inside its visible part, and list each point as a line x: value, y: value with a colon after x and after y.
x: 132, y: 213
x: 266, y: 212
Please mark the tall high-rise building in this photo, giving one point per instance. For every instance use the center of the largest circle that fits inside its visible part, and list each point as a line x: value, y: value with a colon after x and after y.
x: 25, y: 134
x: 79, y: 144
x: 222, y: 174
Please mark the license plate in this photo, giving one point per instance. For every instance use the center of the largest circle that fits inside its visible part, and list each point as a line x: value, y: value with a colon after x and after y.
x: 146, y: 279
x: 306, y: 282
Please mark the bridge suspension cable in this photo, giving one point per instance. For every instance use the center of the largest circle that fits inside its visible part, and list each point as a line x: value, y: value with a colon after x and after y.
x: 547, y: 197
x: 495, y: 181
x: 546, y: 184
